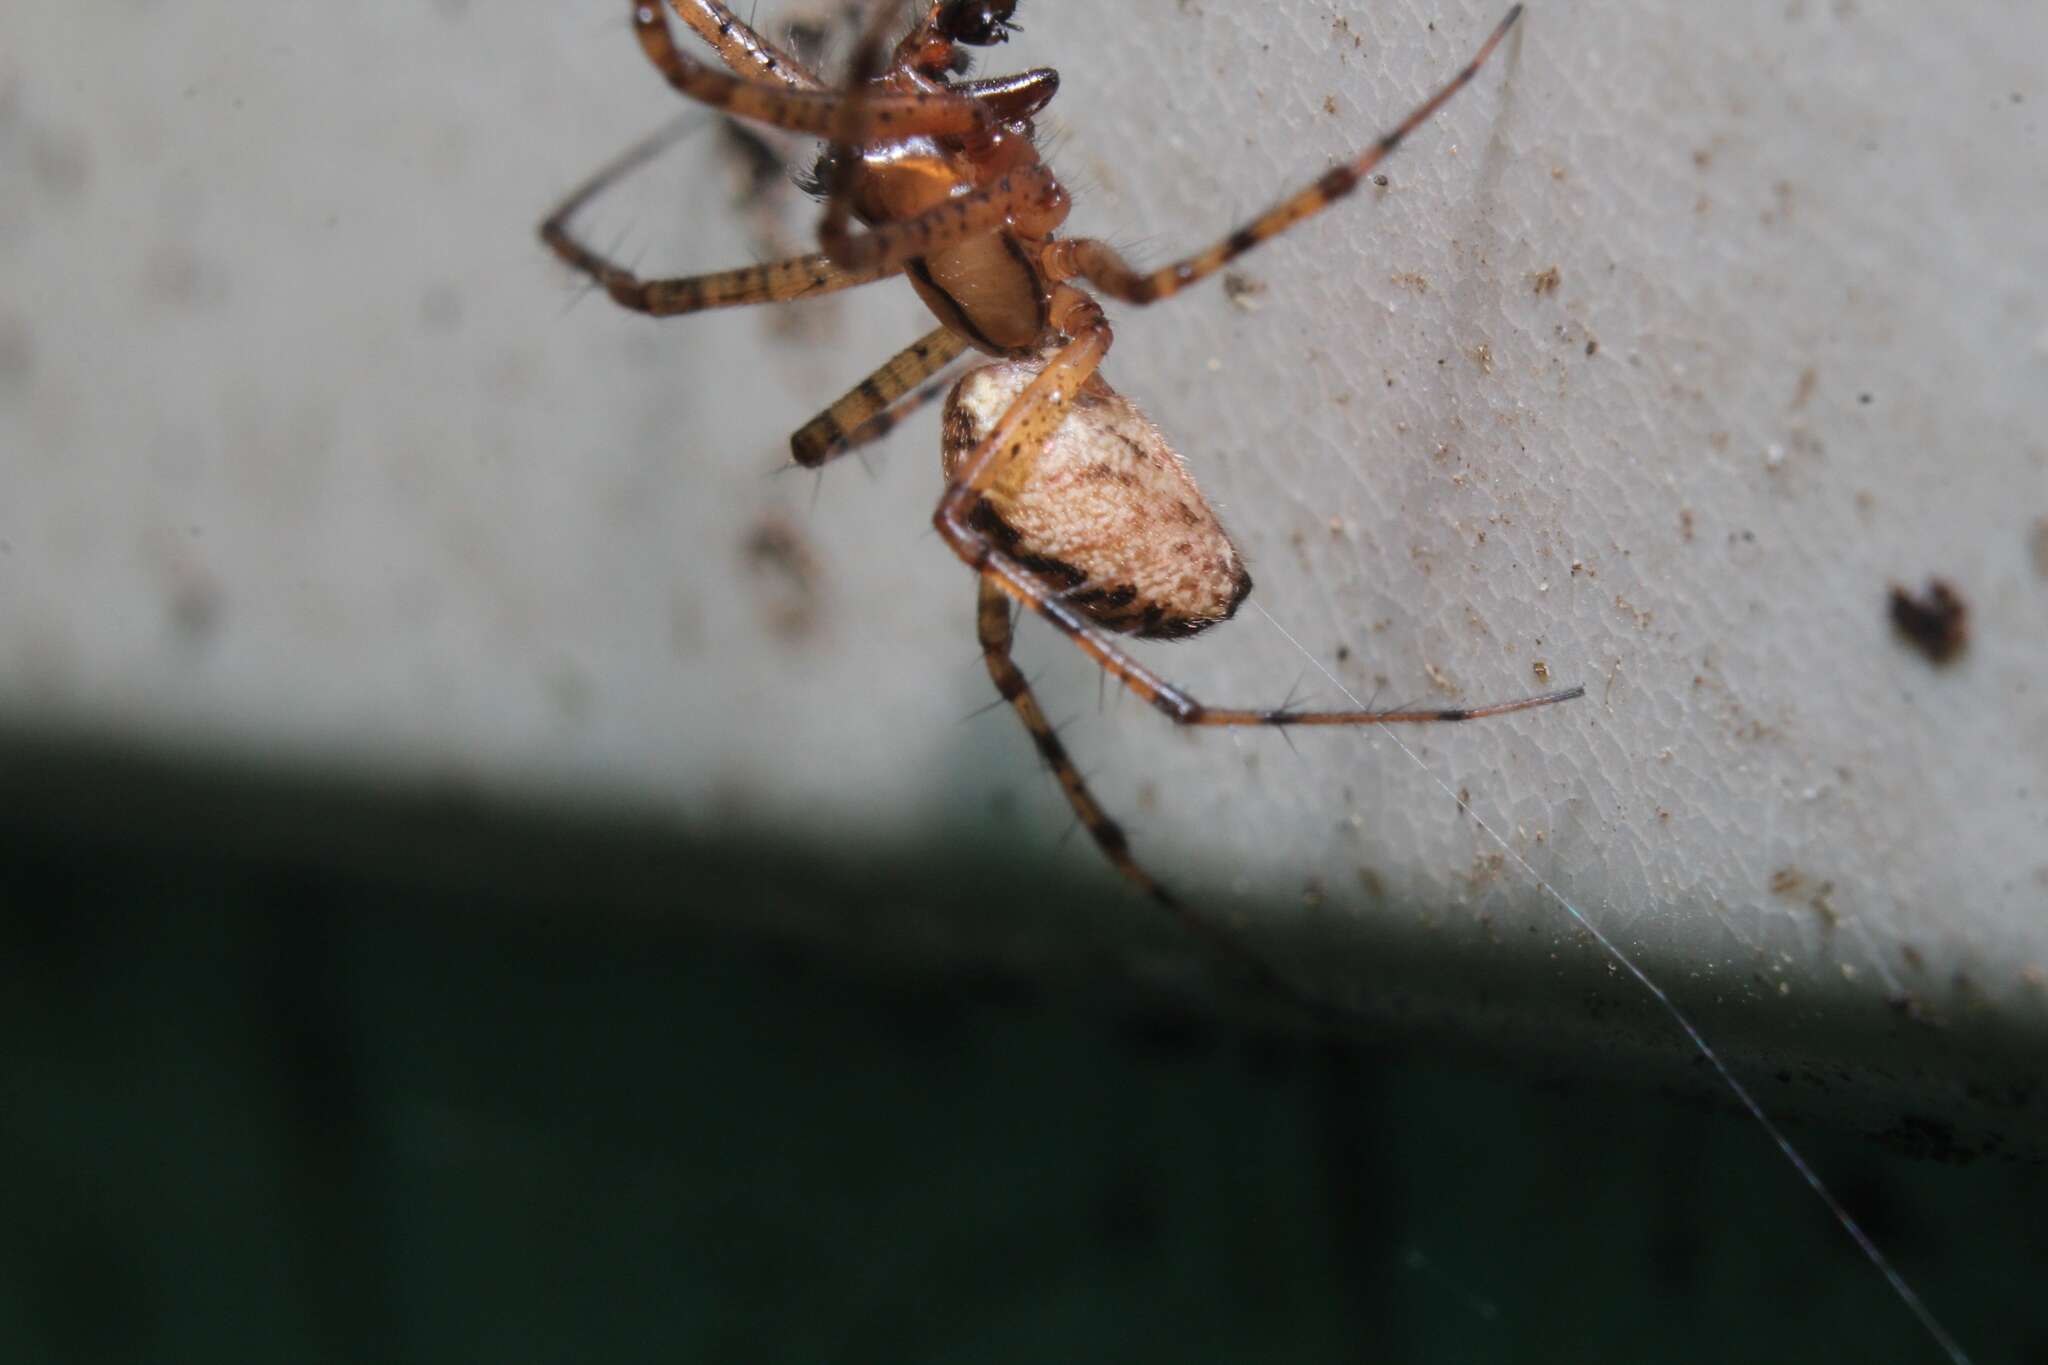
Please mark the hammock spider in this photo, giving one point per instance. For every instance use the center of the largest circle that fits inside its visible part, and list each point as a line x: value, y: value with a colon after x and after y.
x: 1060, y: 495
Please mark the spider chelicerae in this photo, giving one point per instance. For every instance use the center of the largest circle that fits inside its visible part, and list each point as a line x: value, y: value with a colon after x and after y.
x: 1060, y: 495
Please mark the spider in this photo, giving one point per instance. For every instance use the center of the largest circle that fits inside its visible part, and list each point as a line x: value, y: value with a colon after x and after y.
x: 1060, y: 495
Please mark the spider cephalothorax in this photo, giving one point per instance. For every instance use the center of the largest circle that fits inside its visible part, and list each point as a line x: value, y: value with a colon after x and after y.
x: 1060, y: 495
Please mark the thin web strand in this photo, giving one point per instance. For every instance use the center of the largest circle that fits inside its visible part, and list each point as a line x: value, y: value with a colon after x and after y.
x: 1863, y: 1241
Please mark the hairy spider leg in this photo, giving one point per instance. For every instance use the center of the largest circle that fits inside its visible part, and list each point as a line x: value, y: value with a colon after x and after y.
x: 741, y: 48
x: 864, y: 258
x: 884, y: 422
x: 828, y: 114
x: 992, y: 618
x: 869, y: 410
x: 860, y: 259
x: 1096, y: 262
x: 880, y: 253
x: 800, y: 277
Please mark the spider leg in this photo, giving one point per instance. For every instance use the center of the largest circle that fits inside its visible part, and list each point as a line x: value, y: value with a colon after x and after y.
x: 797, y: 278
x: 869, y: 410
x: 1023, y: 430
x: 1179, y: 706
x: 740, y: 47
x: 821, y: 113
x: 1101, y: 266
x: 882, y: 423
x: 1026, y: 190
x: 992, y: 617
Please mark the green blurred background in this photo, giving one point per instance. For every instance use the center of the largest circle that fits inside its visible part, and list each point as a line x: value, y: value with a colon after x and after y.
x: 436, y: 1080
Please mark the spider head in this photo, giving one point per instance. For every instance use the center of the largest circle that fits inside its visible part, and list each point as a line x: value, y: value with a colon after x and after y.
x: 977, y: 23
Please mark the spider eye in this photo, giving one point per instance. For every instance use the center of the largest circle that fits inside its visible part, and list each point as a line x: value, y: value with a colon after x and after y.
x: 978, y: 23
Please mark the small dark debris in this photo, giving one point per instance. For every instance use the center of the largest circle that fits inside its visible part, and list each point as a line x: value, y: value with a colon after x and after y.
x: 1927, y: 1139
x: 1243, y: 290
x: 1910, y: 1007
x: 1937, y: 622
x: 776, y: 552
x: 1809, y: 380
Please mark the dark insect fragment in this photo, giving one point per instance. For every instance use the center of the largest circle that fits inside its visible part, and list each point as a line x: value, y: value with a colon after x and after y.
x: 1937, y: 622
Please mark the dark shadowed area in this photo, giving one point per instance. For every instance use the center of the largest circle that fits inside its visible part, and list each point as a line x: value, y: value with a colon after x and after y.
x: 299, y: 1073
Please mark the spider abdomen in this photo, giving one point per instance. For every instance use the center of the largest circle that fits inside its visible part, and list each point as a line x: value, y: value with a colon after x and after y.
x: 1107, y: 510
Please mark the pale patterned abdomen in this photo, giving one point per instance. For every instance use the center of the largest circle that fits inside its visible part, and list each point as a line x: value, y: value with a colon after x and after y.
x: 1107, y: 511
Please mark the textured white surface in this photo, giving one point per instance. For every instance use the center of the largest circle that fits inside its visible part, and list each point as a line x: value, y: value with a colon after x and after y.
x: 303, y: 454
